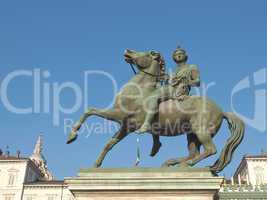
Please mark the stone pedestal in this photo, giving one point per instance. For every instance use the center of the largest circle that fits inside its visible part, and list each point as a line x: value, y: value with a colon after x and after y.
x: 145, y: 184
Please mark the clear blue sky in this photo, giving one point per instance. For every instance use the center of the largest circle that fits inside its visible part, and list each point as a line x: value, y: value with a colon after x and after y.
x: 226, y: 39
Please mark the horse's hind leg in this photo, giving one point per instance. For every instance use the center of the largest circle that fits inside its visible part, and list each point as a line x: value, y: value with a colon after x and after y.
x: 114, y: 115
x: 209, y: 148
x: 193, y: 146
x: 114, y: 140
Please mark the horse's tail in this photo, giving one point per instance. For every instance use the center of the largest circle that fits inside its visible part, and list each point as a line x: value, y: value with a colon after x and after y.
x: 237, y: 128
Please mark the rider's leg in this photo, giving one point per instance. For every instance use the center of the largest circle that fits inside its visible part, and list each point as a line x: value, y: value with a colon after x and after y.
x: 154, y: 100
x: 150, y: 114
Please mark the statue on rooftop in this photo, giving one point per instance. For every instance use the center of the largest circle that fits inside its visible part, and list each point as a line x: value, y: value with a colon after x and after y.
x: 39, y: 160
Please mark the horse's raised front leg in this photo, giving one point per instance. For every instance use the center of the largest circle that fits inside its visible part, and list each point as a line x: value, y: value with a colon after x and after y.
x: 193, y: 148
x: 114, y: 115
x: 114, y: 140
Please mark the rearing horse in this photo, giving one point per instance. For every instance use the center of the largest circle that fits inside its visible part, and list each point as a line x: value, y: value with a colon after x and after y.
x: 198, y: 117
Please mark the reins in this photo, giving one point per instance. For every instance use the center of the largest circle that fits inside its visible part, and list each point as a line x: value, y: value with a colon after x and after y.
x: 147, y: 73
x: 133, y: 68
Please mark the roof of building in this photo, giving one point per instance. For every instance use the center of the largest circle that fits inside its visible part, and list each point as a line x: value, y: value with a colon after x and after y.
x: 15, y: 158
x: 256, y: 156
x: 46, y: 183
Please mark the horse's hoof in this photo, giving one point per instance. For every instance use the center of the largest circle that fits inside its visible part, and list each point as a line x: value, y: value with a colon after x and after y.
x: 189, y: 163
x: 183, y: 165
x: 72, y: 137
x: 213, y: 171
x: 97, y: 165
x: 155, y: 149
x: 166, y: 164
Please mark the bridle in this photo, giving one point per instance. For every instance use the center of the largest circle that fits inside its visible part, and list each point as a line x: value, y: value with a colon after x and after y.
x: 147, y: 73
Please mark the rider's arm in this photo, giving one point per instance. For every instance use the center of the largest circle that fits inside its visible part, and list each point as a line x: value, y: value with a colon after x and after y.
x: 174, y: 81
x: 195, y: 76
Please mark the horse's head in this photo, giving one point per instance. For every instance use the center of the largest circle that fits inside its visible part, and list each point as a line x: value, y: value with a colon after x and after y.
x: 145, y: 60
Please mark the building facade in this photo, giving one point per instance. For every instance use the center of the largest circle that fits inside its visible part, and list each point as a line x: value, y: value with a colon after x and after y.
x: 249, y: 180
x: 29, y: 178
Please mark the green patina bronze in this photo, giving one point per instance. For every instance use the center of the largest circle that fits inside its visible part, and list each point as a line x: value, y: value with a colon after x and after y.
x: 168, y: 110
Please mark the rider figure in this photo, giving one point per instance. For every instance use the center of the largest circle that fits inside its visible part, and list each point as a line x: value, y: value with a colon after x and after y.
x: 185, y: 77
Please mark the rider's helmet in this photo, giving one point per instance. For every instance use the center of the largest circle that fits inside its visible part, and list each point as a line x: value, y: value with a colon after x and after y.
x: 179, y: 55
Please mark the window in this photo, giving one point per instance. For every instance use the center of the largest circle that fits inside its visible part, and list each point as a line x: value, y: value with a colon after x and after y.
x: 259, y: 172
x: 31, y: 176
x: 9, y: 197
x: 29, y: 197
x: 51, y: 197
x: 11, y: 179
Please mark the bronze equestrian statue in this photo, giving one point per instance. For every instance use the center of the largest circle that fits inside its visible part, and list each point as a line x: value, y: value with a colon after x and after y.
x: 174, y: 112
